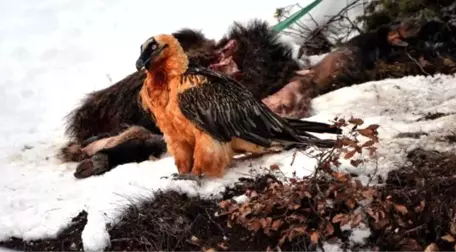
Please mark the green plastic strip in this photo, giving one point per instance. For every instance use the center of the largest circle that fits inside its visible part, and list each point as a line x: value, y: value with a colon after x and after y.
x: 296, y: 16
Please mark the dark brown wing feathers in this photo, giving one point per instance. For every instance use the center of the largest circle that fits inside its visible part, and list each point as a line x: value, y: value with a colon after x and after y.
x: 223, y: 108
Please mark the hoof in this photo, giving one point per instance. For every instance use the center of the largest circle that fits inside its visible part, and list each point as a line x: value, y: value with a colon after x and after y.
x: 96, y: 165
x: 100, y: 163
x: 84, y: 169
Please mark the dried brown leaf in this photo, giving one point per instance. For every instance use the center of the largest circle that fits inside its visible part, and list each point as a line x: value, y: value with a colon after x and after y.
x: 401, y: 208
x: 453, y: 228
x: 296, y: 232
x: 224, y: 204
x: 368, y: 193
x: 366, y: 132
x: 351, y: 203
x: 340, y: 176
x: 344, y: 221
x: 264, y: 222
x: 295, y: 206
x: 329, y: 229
x: 274, y: 167
x: 371, y: 213
x: 255, y: 225
x: 356, y: 121
x: 276, y: 224
x: 307, y: 194
x: 350, y: 154
x: 380, y: 224
x: 330, y: 190
x: 373, y: 127
x: 314, y: 237
x: 431, y: 248
x: 339, y: 217
x: 356, y: 220
x: 368, y: 143
x: 356, y: 162
x: 349, y: 142
x: 299, y: 230
x: 245, y: 211
x: 448, y: 238
x: 358, y: 149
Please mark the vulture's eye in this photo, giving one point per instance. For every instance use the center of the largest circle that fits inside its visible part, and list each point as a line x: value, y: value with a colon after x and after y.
x: 154, y: 46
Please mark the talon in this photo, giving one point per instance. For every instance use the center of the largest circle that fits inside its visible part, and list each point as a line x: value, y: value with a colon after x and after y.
x: 188, y: 176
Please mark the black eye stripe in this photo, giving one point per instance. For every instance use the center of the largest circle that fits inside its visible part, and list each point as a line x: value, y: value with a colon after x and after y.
x: 150, y: 44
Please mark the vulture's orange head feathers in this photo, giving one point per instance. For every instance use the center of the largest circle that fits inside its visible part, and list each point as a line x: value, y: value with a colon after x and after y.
x: 162, y: 52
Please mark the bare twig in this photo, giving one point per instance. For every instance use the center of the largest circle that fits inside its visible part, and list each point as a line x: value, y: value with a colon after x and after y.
x: 416, y: 62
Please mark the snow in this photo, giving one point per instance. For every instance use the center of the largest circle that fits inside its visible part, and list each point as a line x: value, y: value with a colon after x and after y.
x: 397, y: 105
x: 57, y: 51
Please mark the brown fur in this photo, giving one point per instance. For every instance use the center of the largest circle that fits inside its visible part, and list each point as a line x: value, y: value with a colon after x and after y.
x: 344, y: 66
x: 293, y: 100
x: 136, y: 144
x: 348, y: 64
x: 133, y: 132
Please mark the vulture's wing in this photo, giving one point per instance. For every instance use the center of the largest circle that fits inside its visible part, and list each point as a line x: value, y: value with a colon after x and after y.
x: 224, y: 108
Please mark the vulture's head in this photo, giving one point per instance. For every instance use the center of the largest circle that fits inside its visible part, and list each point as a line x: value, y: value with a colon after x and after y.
x: 162, y: 49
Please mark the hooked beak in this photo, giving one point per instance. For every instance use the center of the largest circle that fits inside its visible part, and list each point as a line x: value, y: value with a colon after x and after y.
x: 146, y: 57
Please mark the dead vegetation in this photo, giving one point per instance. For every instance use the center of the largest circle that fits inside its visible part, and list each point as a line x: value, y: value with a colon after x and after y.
x: 414, y: 209
x: 68, y: 240
x: 432, y: 51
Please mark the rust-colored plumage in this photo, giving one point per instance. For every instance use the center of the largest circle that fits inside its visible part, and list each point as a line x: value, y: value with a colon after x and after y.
x: 206, y: 116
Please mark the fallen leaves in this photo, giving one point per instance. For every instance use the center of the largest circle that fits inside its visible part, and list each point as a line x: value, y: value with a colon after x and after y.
x: 349, y: 145
x: 401, y: 208
x: 289, y: 210
x: 340, y: 218
x: 315, y: 209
